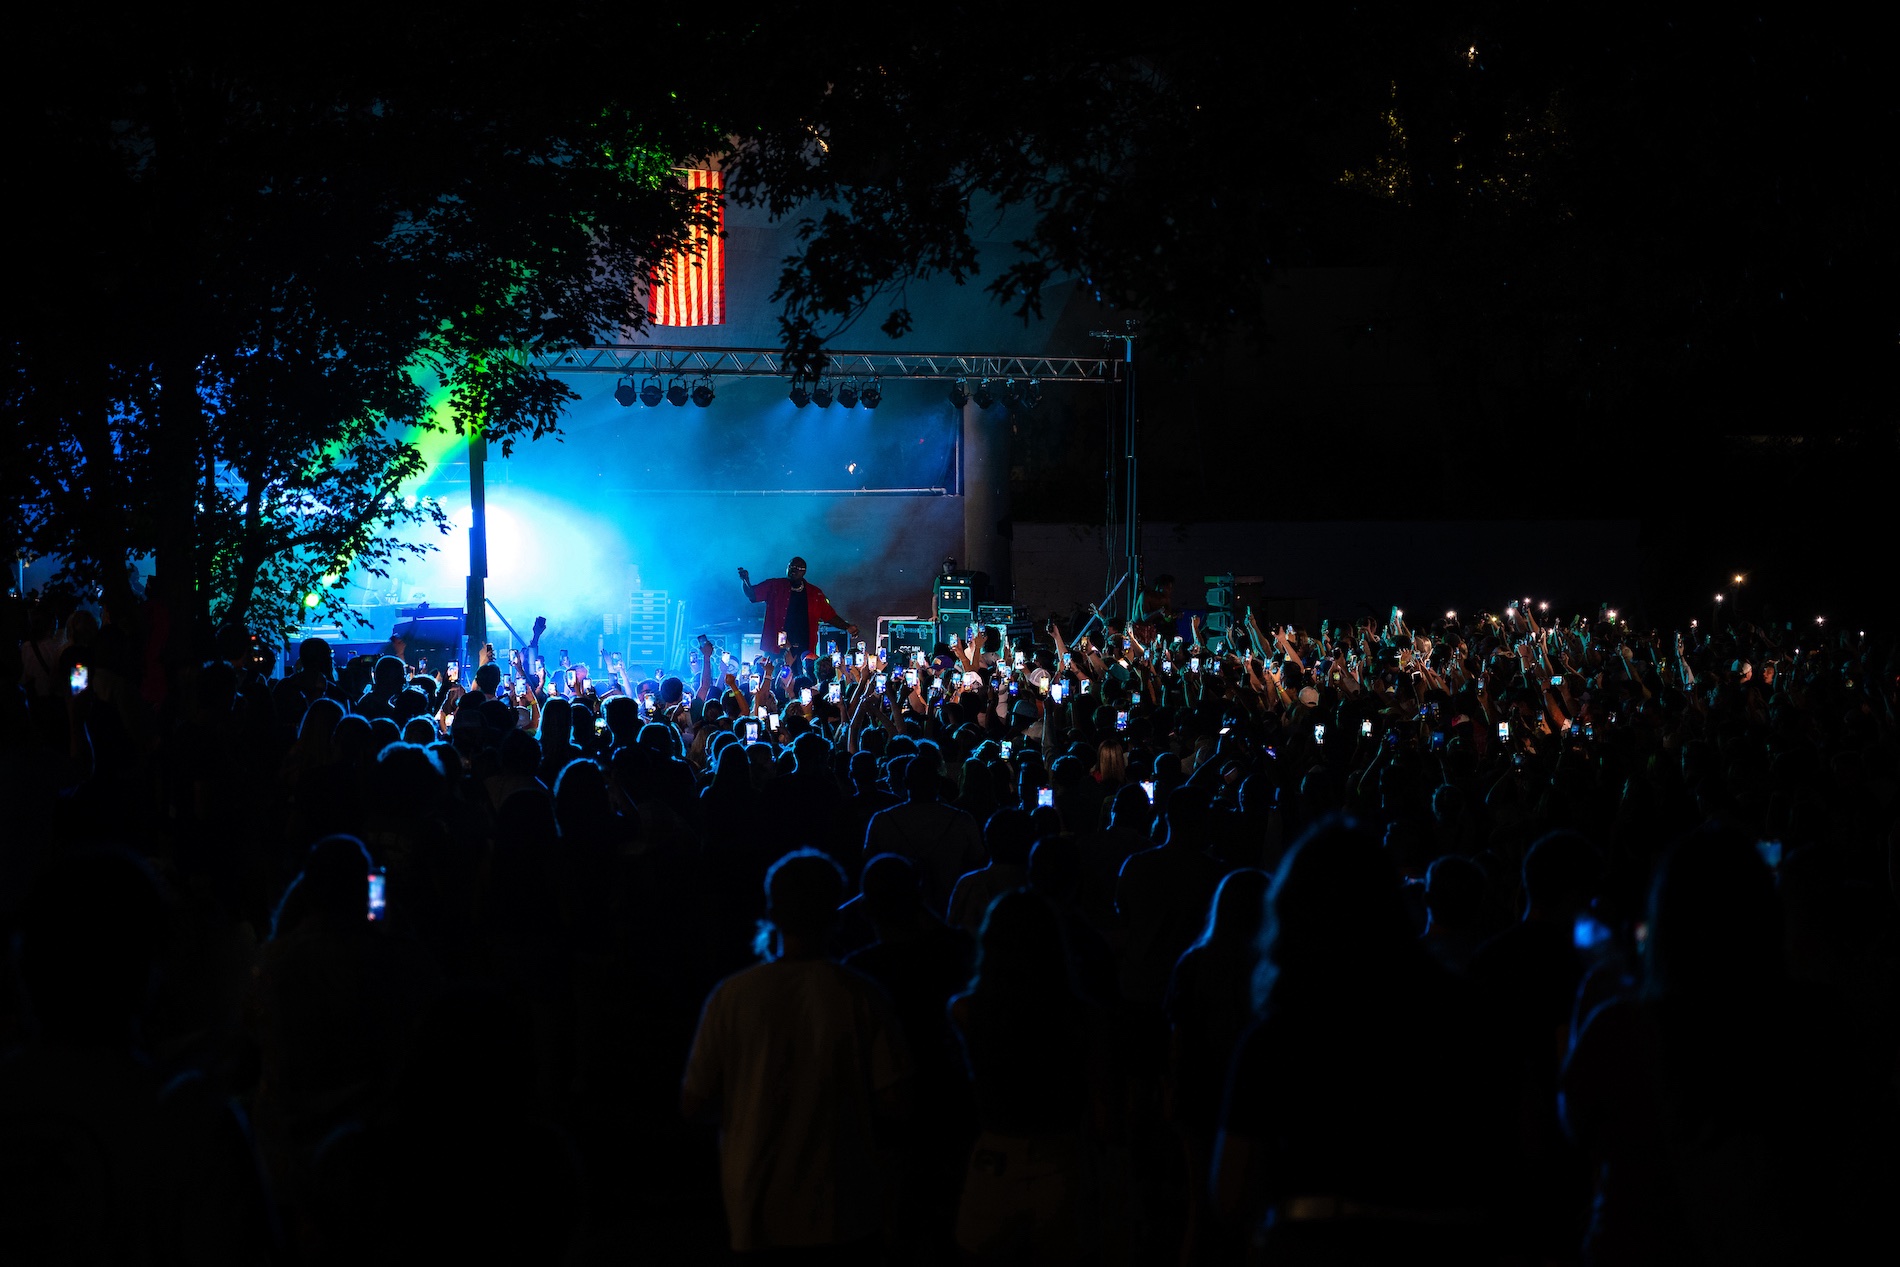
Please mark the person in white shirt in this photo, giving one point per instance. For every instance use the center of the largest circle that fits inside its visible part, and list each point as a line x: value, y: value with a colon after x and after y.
x: 799, y: 1058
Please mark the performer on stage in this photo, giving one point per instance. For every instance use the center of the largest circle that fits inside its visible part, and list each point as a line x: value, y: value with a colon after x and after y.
x: 793, y: 609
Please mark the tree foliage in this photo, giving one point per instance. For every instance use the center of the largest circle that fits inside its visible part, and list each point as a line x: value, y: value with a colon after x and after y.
x: 257, y: 277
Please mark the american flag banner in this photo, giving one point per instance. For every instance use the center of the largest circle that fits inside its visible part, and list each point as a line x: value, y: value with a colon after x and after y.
x: 691, y: 289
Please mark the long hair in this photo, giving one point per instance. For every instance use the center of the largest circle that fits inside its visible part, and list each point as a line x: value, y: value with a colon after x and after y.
x: 556, y: 721
x: 1235, y: 915
x: 1336, y: 923
x: 732, y: 776
x: 1111, y: 761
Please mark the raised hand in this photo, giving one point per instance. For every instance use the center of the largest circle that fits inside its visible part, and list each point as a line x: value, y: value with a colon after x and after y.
x: 745, y: 577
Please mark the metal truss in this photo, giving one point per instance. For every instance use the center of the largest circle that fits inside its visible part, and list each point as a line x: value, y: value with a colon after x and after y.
x: 644, y: 359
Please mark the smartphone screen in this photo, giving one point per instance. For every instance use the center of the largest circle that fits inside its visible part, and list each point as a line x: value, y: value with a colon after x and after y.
x: 1167, y: 666
x: 804, y: 696
x: 1045, y: 796
x: 883, y: 682
x: 771, y: 722
x: 600, y: 725
x: 376, y: 902
x: 751, y: 730
x: 910, y: 677
x: 1557, y: 680
x: 81, y: 678
x: 835, y: 692
x: 1008, y: 747
x: 1135, y: 698
x: 759, y: 712
x: 1121, y: 719
x: 1019, y: 660
x: 1194, y: 664
x: 1589, y: 932
x: 1013, y: 689
x: 1085, y: 686
x: 781, y: 640
x: 1149, y: 788
x: 1438, y: 741
x: 1504, y: 730
x: 1067, y: 660
x: 454, y: 670
x: 1319, y: 734
x: 1365, y: 729
x: 1059, y: 691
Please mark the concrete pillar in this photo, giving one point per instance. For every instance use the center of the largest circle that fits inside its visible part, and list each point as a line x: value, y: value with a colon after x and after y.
x: 987, y: 526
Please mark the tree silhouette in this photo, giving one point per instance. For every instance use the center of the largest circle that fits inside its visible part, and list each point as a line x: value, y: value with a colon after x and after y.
x: 260, y: 283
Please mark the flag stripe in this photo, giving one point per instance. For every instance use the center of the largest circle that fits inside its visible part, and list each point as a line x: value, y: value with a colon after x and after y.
x: 691, y: 291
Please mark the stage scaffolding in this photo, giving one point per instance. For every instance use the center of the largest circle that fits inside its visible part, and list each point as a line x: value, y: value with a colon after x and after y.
x: 655, y: 360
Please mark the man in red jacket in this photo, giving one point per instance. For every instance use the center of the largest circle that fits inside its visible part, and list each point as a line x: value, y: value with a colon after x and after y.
x: 793, y: 612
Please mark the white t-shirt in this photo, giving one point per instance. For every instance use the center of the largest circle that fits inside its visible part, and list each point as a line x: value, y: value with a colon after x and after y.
x: 793, y: 1054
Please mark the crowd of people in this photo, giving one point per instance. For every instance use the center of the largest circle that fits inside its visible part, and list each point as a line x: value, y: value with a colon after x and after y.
x: 1508, y: 937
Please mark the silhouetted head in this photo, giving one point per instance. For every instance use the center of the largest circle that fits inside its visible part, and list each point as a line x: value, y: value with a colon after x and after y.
x: 1454, y: 893
x: 314, y: 656
x: 1008, y: 836
x: 388, y: 676
x: 1560, y: 874
x: 1021, y: 953
x: 1055, y: 868
x: 888, y: 891
x: 802, y: 893
x: 1238, y: 910
x: 1336, y: 917
x: 333, y: 887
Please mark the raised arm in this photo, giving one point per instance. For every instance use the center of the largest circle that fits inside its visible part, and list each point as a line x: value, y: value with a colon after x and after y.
x: 745, y: 583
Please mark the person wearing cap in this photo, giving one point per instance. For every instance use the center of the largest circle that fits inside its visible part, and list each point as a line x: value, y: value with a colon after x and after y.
x: 793, y: 611
x: 802, y: 1061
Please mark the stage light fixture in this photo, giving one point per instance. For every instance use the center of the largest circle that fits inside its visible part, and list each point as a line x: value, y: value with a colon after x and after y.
x: 872, y: 395
x: 821, y: 395
x: 848, y: 393
x: 800, y: 394
x: 703, y: 393
x: 983, y: 396
x: 676, y: 393
x: 1022, y: 397
x: 625, y: 393
x: 959, y: 393
x: 650, y: 393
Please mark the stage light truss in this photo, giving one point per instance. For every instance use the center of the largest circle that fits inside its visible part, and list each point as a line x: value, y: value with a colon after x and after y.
x: 653, y: 359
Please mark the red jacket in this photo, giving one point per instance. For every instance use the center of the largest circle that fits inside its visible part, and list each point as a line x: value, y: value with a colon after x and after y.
x: 776, y: 593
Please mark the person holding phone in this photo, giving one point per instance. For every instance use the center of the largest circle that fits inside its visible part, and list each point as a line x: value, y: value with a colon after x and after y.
x: 793, y: 611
